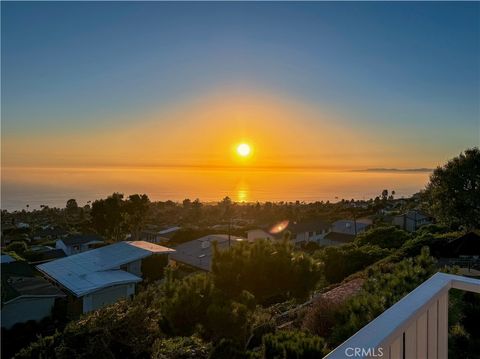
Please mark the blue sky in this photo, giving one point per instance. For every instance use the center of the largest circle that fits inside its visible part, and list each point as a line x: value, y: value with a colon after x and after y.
x: 388, y: 67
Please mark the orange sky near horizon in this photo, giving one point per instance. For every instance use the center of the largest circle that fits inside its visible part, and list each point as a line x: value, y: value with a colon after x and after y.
x: 283, y: 133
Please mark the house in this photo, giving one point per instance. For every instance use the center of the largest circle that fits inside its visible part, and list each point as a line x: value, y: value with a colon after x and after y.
x: 351, y: 227
x: 258, y: 233
x: 345, y: 231
x: 412, y: 220
x: 199, y: 252
x: 101, y: 276
x: 308, y: 231
x: 49, y: 232
x: 78, y: 243
x: 25, y: 296
x: 161, y: 236
x: 300, y: 233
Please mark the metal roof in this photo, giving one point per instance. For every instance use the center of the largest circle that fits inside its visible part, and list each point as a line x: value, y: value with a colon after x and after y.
x: 77, y: 239
x: 199, y: 252
x: 18, y: 279
x: 90, y: 271
x: 7, y: 259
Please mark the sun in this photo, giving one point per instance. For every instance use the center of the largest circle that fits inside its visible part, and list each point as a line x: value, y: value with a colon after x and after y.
x: 244, y: 149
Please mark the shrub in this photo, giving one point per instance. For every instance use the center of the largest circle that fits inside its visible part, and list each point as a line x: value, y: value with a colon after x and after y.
x: 271, y: 271
x: 180, y: 348
x: 43, y: 348
x: 383, y: 288
x: 17, y: 247
x: 384, y: 237
x: 321, y: 317
x: 342, y: 261
x: 293, y: 344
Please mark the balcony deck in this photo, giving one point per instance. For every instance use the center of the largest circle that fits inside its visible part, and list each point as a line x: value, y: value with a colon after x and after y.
x: 414, y: 327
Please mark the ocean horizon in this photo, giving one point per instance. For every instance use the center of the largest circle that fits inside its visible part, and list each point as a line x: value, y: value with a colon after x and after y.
x: 54, y: 186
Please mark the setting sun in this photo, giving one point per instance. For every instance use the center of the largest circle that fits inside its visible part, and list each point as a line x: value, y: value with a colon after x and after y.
x: 243, y: 149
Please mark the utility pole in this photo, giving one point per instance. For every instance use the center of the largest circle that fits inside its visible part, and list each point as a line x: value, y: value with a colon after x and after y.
x: 229, y: 231
x: 354, y: 219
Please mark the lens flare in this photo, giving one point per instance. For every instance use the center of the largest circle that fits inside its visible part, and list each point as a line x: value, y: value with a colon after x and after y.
x: 279, y: 227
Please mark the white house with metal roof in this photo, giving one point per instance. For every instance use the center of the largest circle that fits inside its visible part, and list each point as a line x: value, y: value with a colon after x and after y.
x: 102, y: 276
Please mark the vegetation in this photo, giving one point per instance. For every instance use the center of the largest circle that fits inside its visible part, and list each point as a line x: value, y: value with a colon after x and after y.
x: 289, y: 345
x: 180, y: 348
x: 384, y: 237
x: 271, y: 271
x: 384, y: 286
x: 232, y: 312
x: 342, y: 261
x: 453, y: 194
x: 18, y: 247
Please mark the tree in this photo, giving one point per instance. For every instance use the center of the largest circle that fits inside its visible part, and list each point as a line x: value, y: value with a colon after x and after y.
x: 384, y: 195
x: 72, y: 211
x: 108, y: 216
x: 453, y: 194
x: 72, y: 205
x: 137, y: 207
x: 186, y: 203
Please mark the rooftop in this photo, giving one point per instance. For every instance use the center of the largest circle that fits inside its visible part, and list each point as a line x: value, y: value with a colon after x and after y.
x: 77, y: 239
x: 199, y: 252
x: 87, y: 272
x: 18, y: 279
x: 346, y: 226
x: 6, y: 259
x: 308, y: 226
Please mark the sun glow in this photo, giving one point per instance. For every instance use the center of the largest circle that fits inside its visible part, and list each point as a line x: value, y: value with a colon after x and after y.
x: 243, y: 149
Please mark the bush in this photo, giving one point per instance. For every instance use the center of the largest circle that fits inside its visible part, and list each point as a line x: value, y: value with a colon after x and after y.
x: 384, y: 237
x: 227, y: 349
x: 194, y: 305
x: 126, y: 329
x: 271, y: 271
x: 293, y: 344
x: 321, y: 317
x: 17, y: 247
x: 383, y: 288
x: 154, y: 266
x: 342, y: 261
x: 43, y: 348
x: 180, y: 348
x: 119, y: 330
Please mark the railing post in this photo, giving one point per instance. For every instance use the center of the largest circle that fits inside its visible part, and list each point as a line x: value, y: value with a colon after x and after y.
x: 443, y: 326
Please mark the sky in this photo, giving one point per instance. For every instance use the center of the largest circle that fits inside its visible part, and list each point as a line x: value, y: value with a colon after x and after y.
x: 313, y: 85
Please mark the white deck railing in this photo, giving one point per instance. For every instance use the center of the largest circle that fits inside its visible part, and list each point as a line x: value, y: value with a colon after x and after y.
x: 414, y: 327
